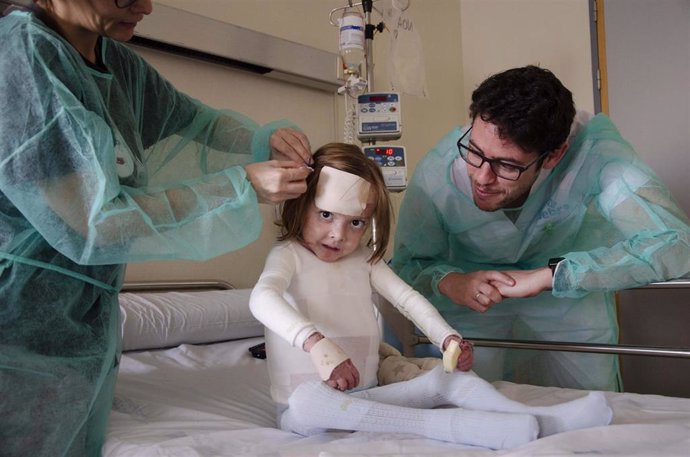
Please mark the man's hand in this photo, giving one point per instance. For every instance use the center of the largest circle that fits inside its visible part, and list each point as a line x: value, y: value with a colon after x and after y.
x: 528, y: 283
x: 478, y: 291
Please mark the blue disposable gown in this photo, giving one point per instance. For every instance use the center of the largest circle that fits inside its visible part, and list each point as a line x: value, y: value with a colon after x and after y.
x: 97, y: 169
x: 601, y: 208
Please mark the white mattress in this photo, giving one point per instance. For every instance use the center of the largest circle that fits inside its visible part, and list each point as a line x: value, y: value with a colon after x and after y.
x: 212, y: 400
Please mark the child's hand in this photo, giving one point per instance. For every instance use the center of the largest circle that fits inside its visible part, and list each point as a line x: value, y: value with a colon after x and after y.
x: 466, y: 359
x: 344, y: 377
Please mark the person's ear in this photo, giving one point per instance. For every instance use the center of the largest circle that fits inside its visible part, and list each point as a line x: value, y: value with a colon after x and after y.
x: 555, y: 156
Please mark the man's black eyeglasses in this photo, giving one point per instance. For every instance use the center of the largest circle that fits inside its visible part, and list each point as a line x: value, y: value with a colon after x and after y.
x: 124, y: 3
x: 500, y: 168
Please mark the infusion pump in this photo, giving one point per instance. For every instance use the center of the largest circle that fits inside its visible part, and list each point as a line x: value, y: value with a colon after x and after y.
x: 379, y: 116
x: 391, y: 159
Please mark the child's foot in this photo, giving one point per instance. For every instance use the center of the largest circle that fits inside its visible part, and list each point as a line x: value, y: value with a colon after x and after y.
x: 589, y: 411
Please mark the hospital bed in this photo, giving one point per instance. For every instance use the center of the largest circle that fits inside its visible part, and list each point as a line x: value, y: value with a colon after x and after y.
x: 188, y: 386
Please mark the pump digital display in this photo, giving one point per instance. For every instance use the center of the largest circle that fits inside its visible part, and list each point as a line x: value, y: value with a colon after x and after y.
x: 384, y: 151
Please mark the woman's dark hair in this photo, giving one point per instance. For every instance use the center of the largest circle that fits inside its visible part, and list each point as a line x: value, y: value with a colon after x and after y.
x: 529, y: 106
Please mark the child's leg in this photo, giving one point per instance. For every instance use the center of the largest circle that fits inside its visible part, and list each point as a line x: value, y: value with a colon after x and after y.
x: 315, y: 406
x: 467, y: 390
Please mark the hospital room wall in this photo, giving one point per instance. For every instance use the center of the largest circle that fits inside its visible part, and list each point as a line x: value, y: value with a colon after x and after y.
x: 648, y: 67
x: 464, y: 41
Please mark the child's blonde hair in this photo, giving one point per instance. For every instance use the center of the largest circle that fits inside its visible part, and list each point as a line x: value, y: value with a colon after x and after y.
x: 351, y: 159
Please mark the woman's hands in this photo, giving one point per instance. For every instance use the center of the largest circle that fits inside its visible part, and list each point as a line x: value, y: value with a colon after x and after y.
x: 283, y: 177
x: 276, y: 181
x: 292, y: 145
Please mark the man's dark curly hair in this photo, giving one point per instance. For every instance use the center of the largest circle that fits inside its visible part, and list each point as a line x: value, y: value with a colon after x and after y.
x: 529, y: 106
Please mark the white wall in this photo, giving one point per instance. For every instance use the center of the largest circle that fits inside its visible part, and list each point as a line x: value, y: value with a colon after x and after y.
x: 554, y: 34
x: 648, y: 55
x: 648, y: 62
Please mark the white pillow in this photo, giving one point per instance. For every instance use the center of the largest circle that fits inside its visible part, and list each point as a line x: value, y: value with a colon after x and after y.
x: 165, y: 319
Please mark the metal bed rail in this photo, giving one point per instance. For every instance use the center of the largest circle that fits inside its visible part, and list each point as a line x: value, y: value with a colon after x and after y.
x: 161, y: 286
x: 620, y: 349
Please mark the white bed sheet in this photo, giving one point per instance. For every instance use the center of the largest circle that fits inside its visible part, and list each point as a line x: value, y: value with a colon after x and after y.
x: 213, y: 400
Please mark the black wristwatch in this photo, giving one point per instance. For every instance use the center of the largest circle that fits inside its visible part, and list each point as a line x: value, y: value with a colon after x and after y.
x: 553, y: 262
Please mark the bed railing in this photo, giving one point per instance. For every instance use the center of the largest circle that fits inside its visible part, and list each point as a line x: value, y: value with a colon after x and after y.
x: 160, y: 286
x: 411, y: 339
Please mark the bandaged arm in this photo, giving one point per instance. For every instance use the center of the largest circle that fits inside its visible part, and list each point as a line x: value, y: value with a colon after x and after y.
x: 269, y: 306
x: 410, y: 303
x: 267, y: 301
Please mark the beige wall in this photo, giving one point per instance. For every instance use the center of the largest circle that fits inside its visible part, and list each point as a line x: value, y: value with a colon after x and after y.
x: 464, y: 41
x: 306, y: 22
x: 501, y: 34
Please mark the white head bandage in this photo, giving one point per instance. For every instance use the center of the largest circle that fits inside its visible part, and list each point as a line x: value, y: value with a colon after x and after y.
x: 341, y: 192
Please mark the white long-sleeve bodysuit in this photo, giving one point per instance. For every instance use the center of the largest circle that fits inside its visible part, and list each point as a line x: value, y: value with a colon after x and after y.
x: 298, y: 294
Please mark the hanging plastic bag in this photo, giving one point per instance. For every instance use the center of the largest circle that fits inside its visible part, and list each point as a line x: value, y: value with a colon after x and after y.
x: 406, y: 68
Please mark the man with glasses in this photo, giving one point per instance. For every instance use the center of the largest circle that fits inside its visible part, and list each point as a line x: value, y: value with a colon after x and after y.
x: 520, y: 226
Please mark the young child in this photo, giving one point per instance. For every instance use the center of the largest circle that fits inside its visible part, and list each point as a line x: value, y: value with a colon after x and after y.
x: 315, y: 299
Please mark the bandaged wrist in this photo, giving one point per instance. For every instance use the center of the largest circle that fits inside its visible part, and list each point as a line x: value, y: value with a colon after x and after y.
x: 326, y: 355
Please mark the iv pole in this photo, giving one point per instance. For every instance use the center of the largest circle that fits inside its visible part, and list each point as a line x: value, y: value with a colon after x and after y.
x: 369, y: 28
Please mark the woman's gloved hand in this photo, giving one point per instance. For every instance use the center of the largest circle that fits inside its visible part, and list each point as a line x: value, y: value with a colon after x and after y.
x: 276, y: 181
x: 290, y: 144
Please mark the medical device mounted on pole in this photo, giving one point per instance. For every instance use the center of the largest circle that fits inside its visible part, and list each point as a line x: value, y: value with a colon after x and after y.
x: 369, y: 115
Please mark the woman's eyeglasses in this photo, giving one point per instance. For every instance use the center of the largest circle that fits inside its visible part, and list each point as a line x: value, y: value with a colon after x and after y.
x: 499, y: 167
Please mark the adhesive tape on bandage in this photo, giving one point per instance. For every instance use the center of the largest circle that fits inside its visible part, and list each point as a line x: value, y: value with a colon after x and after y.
x: 341, y: 192
x: 326, y: 355
x: 451, y: 356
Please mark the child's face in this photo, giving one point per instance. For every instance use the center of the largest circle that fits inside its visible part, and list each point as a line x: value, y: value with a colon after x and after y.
x: 332, y: 236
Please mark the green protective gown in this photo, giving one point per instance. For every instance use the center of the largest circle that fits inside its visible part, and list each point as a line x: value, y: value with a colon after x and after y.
x: 97, y: 168
x: 601, y: 208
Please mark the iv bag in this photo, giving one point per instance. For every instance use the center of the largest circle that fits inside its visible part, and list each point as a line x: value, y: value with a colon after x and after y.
x: 352, y: 41
x: 406, y: 68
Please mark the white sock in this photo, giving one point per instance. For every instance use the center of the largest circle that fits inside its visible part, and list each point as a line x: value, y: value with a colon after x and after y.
x: 467, y: 390
x: 314, y: 405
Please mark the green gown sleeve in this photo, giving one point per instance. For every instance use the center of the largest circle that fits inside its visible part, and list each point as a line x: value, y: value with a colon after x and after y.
x: 118, y: 166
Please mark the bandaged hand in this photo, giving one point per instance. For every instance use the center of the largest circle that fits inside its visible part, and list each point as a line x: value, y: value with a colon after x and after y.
x: 276, y: 181
x: 332, y: 363
x: 290, y: 144
x: 466, y: 358
x: 344, y: 377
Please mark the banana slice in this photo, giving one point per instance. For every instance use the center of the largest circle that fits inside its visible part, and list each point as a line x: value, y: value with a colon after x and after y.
x: 451, y: 356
